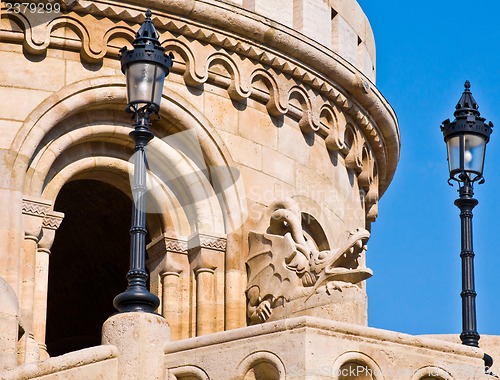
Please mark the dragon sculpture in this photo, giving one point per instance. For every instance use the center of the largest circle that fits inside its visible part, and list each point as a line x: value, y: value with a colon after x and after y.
x: 284, y: 265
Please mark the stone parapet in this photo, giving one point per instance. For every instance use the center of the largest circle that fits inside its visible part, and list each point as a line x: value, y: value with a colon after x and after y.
x: 314, y: 348
x: 90, y: 363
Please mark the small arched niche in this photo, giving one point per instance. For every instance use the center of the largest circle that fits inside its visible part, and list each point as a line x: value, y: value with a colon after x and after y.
x: 261, y: 365
x: 355, y: 365
x: 263, y: 371
x: 356, y: 370
x: 431, y: 373
x: 314, y: 232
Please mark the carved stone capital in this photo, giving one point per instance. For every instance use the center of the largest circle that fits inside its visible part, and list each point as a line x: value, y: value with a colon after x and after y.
x: 53, y: 220
x: 205, y: 252
x: 170, y: 266
x: 36, y: 207
x: 34, y: 212
x: 164, y: 244
x: 50, y: 224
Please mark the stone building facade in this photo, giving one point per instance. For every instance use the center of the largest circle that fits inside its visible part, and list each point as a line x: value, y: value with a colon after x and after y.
x: 272, y: 151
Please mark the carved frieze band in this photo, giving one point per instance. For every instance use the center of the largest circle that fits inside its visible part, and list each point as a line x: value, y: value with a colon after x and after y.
x: 53, y: 220
x: 250, y: 66
x: 35, y: 208
x: 215, y: 243
x: 167, y: 244
x: 95, y: 46
x: 210, y: 242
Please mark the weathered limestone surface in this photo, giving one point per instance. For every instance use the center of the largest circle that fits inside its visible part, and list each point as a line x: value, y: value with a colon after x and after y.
x: 9, y: 325
x: 488, y: 343
x: 313, y: 348
x: 139, y: 339
x: 268, y: 103
x: 98, y: 363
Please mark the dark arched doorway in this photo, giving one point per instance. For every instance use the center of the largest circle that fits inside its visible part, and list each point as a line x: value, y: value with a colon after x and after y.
x: 88, y: 263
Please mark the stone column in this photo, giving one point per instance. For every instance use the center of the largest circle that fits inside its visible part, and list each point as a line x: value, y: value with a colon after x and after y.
x: 34, y: 212
x: 11, y: 233
x: 30, y: 246
x: 206, y: 255
x: 168, y: 262
x: 171, y: 296
x: 50, y: 225
x: 206, y: 311
x: 236, y: 280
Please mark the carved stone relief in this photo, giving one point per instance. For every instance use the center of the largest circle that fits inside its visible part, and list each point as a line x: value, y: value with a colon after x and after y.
x: 284, y: 265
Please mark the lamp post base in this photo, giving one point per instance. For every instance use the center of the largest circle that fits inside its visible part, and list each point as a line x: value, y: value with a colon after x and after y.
x: 470, y: 338
x: 136, y: 299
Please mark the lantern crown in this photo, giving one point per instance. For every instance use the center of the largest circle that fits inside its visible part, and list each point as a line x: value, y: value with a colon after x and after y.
x: 145, y: 67
x: 466, y: 138
x: 467, y: 118
x: 147, y: 33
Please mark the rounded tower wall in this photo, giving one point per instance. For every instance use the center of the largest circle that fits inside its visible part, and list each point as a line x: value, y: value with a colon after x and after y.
x: 277, y: 120
x: 339, y: 25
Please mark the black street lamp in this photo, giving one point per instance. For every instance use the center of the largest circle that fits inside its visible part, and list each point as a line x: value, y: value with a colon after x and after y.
x: 466, y: 138
x: 145, y: 67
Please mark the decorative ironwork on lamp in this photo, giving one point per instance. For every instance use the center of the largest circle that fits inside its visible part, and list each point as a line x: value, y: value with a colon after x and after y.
x: 145, y: 67
x: 466, y: 138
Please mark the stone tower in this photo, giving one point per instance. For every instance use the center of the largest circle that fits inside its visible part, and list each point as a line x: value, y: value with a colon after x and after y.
x: 272, y: 151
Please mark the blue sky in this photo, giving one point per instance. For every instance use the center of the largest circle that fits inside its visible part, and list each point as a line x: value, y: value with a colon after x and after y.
x: 425, y: 52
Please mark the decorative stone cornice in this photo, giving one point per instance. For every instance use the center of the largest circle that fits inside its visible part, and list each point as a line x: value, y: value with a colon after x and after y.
x: 208, y: 33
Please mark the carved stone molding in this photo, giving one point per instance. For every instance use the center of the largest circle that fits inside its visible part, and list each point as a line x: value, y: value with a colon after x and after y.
x: 215, y: 243
x: 53, y: 220
x: 165, y: 244
x: 251, y: 65
x: 34, y: 212
x: 37, y: 208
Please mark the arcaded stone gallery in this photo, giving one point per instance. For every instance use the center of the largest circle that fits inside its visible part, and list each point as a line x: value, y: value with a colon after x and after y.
x: 271, y: 150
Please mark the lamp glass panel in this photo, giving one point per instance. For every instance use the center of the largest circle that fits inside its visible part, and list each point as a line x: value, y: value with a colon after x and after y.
x: 474, y: 147
x: 140, y: 82
x: 158, y: 88
x: 453, y: 144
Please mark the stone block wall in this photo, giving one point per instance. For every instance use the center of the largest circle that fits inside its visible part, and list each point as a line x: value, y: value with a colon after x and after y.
x: 271, y: 118
x: 339, y: 25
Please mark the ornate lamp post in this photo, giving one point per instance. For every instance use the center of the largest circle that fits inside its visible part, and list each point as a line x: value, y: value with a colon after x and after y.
x: 466, y: 138
x: 145, y: 67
